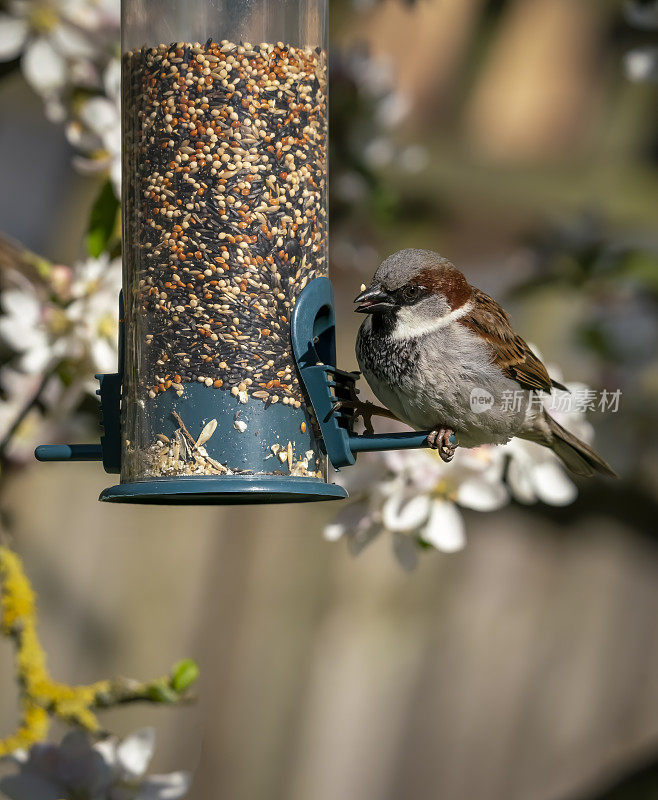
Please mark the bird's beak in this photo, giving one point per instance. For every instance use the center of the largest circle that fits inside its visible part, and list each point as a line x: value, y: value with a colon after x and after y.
x: 373, y: 299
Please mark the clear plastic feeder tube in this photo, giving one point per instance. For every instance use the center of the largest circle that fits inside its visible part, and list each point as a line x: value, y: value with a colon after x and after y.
x: 225, y: 222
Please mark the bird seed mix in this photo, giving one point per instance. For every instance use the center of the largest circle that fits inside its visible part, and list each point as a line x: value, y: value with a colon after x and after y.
x: 225, y: 213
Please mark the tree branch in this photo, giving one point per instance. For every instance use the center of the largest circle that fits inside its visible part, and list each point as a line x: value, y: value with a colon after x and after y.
x: 41, y: 698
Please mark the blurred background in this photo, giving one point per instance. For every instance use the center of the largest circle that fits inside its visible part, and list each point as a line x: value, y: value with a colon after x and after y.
x: 515, y: 137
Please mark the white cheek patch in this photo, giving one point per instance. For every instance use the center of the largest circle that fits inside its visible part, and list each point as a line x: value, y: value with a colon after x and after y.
x: 410, y: 324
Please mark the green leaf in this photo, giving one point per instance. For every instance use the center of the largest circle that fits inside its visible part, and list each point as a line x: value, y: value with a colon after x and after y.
x: 184, y: 674
x: 102, y: 221
x: 161, y: 693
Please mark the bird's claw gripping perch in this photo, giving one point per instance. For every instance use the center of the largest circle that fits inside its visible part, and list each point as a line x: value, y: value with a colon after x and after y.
x: 443, y: 440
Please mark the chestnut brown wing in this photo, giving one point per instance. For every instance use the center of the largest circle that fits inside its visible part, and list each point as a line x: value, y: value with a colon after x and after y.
x: 511, y: 352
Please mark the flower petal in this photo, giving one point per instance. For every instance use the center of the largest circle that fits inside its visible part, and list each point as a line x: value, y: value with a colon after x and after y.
x: 23, y: 305
x: 360, y: 538
x: 43, y: 759
x: 99, y: 114
x: 519, y: 481
x: 72, y: 43
x: 83, y: 73
x: 425, y: 471
x: 81, y: 767
x: 82, y: 138
x: 16, y: 336
x: 112, y: 80
x: 641, y: 64
x: 13, y: 33
x: 54, y: 110
x: 136, y: 751
x: 112, y: 139
x: 165, y: 787
x: 406, y: 550
x: 19, y: 756
x: 445, y: 527
x: 30, y: 786
x: 115, y: 175
x: 35, y: 360
x: 401, y: 513
x: 17, y: 386
x: 333, y: 531
x: 482, y: 495
x: 350, y: 516
x: 107, y: 749
x: 103, y: 356
x: 552, y: 484
x: 43, y: 67
x: 92, y: 166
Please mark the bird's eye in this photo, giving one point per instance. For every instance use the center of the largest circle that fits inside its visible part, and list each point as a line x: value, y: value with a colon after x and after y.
x: 411, y: 293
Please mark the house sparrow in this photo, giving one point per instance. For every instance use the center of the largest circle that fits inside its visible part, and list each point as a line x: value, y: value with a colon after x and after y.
x: 441, y: 356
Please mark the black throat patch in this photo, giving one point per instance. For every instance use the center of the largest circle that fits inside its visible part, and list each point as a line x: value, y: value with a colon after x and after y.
x: 391, y: 360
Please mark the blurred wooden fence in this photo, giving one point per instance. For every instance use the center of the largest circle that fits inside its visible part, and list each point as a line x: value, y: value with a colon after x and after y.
x: 524, y: 668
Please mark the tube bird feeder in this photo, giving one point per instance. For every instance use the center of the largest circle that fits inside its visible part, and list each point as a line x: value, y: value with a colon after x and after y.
x: 224, y: 230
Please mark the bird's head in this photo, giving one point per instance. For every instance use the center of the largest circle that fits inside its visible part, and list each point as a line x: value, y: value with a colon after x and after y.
x: 415, y: 292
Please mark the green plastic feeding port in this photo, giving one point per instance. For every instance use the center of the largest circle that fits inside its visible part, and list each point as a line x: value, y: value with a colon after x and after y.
x: 331, y: 391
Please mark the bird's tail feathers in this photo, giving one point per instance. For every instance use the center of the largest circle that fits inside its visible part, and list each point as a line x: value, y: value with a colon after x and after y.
x: 575, y: 454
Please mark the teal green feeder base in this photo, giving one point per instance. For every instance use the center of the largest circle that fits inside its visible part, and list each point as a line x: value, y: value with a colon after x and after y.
x: 223, y: 490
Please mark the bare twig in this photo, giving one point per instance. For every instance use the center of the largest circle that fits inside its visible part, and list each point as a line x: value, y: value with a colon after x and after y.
x: 22, y: 414
x: 15, y: 257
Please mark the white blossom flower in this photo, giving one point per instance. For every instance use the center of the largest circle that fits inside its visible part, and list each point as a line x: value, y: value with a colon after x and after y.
x: 416, y: 498
x: 109, y: 769
x: 534, y: 472
x: 97, y: 129
x: 641, y: 64
x: 93, y: 314
x: 379, y: 152
x: 60, y: 43
x: 427, y: 504
x: 24, y: 328
x: 82, y: 328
